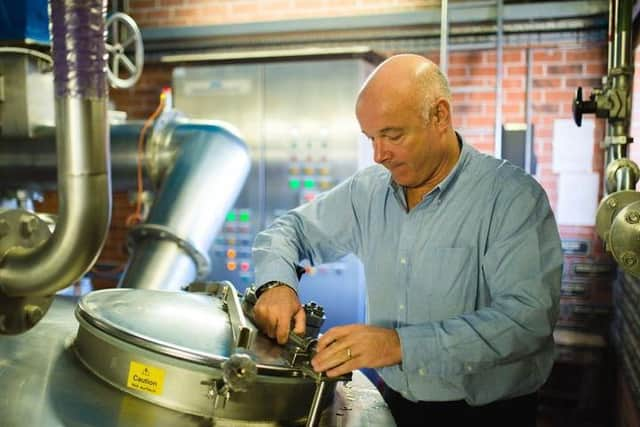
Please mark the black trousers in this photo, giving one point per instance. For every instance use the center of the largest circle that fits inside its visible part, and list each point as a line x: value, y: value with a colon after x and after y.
x: 517, y: 412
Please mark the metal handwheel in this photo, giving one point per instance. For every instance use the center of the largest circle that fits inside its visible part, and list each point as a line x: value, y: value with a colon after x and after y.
x: 126, y: 53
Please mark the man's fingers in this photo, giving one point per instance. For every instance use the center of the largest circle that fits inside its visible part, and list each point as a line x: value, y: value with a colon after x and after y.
x: 332, y: 335
x: 282, y: 331
x: 300, y: 320
x: 337, y: 354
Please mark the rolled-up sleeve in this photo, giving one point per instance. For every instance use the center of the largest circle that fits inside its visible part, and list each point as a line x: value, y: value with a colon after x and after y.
x: 323, y: 230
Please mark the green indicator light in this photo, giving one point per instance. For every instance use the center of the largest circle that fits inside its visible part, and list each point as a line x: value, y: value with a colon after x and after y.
x: 244, y: 216
x: 231, y: 216
x: 294, y: 183
x: 309, y: 183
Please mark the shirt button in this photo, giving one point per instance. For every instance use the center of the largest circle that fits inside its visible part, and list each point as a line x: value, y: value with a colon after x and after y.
x: 468, y: 367
x: 403, y: 260
x: 401, y: 307
x: 422, y: 372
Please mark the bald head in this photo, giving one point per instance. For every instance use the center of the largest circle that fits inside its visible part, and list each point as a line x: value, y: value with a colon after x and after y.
x: 411, y: 80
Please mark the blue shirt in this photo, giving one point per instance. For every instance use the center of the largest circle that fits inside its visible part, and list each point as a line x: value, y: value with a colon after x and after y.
x: 469, y: 278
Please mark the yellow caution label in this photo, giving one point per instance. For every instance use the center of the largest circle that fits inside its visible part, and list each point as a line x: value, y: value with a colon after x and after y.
x: 145, y: 378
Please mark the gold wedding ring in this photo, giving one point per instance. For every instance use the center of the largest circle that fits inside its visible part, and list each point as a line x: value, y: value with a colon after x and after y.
x: 349, y: 353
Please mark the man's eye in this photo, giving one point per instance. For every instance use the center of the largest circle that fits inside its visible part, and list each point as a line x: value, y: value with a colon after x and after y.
x: 394, y: 137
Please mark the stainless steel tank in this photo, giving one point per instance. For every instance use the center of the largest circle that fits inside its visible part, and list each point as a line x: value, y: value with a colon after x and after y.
x: 153, y: 359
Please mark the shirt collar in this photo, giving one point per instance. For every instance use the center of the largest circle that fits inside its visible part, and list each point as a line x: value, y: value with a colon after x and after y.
x: 465, y: 153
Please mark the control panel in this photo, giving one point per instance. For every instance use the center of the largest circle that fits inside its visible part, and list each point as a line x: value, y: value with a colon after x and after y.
x: 304, y: 139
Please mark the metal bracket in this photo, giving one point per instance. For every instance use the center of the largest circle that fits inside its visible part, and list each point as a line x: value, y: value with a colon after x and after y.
x: 612, y: 171
x: 243, y: 332
x: 218, y: 392
x: 21, y: 231
x: 161, y: 232
x: 238, y: 373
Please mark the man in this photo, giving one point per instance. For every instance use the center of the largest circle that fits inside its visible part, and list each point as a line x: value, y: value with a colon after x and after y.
x: 462, y: 261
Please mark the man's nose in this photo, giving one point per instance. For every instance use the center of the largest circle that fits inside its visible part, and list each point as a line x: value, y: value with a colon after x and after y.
x: 380, y: 152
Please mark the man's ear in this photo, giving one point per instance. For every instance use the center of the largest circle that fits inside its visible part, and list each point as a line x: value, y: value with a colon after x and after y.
x: 442, y: 114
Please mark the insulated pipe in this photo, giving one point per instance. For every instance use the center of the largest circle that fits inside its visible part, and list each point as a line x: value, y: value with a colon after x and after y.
x: 78, y: 30
x: 169, y: 250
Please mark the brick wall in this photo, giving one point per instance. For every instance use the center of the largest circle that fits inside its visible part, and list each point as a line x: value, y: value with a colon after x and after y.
x: 166, y: 13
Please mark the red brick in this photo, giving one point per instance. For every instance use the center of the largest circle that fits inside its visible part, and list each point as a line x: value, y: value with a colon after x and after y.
x: 481, y: 122
x: 517, y: 83
x: 596, y: 54
x: 565, y: 69
x: 481, y: 96
x: 457, y: 71
x: 547, y: 82
x: 594, y: 68
x: 546, y: 108
x: 485, y: 70
x: 548, y: 55
x: 584, y: 82
x: 516, y: 70
x: 560, y: 96
x: 143, y: 4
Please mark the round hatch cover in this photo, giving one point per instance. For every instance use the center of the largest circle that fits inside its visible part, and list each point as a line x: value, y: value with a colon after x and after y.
x: 170, y: 348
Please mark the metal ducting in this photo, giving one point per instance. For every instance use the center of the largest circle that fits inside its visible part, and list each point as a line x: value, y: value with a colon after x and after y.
x: 211, y: 165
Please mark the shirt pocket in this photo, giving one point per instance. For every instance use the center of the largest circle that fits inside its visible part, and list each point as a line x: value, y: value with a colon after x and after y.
x: 443, y: 285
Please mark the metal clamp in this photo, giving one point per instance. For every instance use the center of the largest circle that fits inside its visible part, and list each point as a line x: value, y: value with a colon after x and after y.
x: 239, y: 371
x: 161, y: 232
x: 301, y: 351
x: 218, y: 392
x: 243, y: 332
x: 612, y: 172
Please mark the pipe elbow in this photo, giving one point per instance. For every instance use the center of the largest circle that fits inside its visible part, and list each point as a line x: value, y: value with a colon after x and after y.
x: 80, y: 233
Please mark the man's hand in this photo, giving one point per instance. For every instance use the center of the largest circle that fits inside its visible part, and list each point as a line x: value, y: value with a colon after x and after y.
x: 274, y: 311
x: 346, y: 348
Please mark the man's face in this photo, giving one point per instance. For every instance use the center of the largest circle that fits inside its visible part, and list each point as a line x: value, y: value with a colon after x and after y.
x: 404, y: 141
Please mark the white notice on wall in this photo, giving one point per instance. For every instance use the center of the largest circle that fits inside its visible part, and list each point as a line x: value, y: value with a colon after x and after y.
x: 577, y: 198
x: 572, y: 146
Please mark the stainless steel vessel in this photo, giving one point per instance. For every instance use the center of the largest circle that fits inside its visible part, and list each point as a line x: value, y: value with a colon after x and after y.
x: 44, y: 384
x: 176, y: 349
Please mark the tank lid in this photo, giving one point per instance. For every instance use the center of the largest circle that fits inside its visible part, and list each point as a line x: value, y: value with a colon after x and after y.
x: 188, y: 326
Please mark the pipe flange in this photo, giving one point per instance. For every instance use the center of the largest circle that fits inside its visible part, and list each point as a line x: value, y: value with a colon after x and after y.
x: 161, y: 154
x: 614, y: 166
x: 161, y: 232
x: 623, y: 238
x: 21, y: 231
x: 609, y: 208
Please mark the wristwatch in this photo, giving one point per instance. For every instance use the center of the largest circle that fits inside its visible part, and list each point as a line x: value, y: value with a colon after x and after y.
x: 269, y: 285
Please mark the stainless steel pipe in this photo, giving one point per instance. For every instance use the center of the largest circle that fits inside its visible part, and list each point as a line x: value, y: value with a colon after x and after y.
x: 82, y: 155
